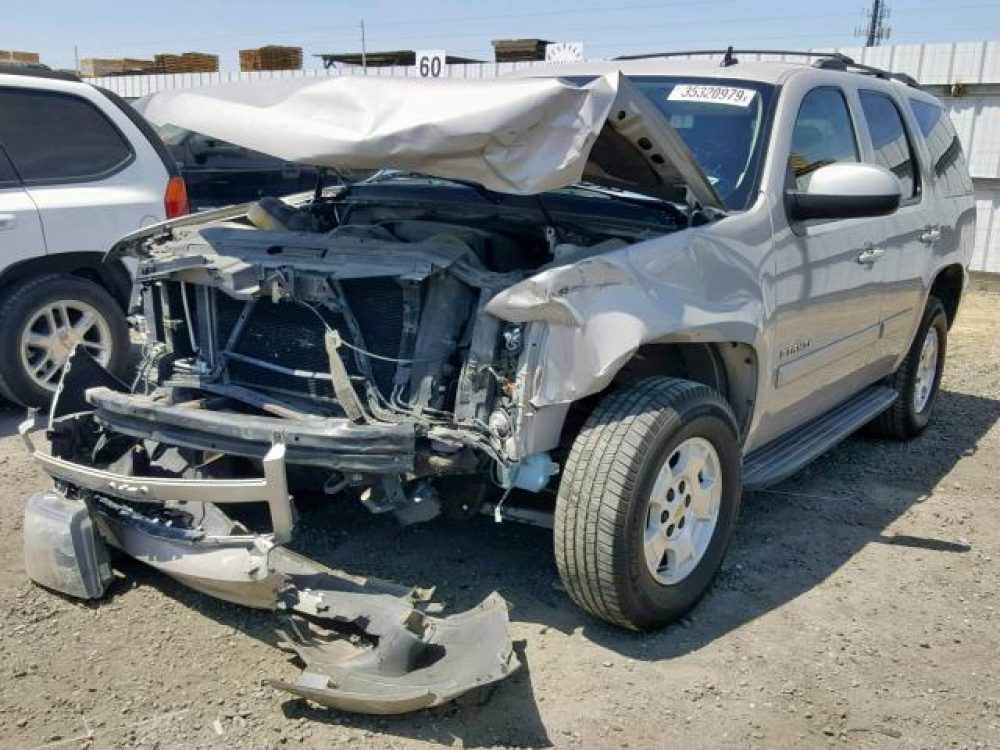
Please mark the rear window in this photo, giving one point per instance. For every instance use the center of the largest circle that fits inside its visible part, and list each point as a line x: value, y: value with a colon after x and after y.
x: 947, y: 159
x: 53, y: 137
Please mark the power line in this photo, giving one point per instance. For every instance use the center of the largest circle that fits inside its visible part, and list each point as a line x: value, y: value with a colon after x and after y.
x: 721, y: 41
x: 677, y: 23
x: 423, y: 20
x: 349, y: 37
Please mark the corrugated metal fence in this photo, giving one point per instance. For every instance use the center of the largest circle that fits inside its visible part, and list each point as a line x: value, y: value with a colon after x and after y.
x: 969, y: 69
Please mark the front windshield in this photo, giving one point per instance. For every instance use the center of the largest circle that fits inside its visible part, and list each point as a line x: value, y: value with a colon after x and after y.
x: 723, y: 122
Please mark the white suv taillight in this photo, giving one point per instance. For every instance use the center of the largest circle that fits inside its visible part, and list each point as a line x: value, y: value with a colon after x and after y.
x: 175, y: 199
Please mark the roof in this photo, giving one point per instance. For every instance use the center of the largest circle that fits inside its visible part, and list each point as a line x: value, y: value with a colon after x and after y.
x: 36, y: 70
x: 761, y: 71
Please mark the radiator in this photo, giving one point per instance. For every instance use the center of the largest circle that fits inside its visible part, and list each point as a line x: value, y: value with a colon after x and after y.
x: 290, y: 335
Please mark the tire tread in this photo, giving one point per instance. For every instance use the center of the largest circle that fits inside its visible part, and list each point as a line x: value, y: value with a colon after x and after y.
x: 598, y: 480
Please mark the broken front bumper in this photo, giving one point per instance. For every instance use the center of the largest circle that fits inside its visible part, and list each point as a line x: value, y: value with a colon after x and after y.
x: 328, y: 442
x: 409, y: 659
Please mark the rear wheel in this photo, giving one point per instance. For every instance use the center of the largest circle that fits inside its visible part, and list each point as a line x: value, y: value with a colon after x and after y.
x: 648, y: 501
x: 42, y: 320
x: 918, y: 378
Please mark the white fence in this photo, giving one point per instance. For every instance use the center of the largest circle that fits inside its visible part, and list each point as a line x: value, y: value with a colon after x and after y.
x: 133, y: 87
x: 976, y: 114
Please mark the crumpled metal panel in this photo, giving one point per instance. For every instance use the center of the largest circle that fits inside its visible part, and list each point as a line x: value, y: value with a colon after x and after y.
x: 512, y: 135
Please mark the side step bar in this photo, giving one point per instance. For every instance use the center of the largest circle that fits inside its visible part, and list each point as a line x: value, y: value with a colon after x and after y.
x: 784, y: 456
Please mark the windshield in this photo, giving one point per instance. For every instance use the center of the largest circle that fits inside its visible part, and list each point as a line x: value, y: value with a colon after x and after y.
x: 723, y: 122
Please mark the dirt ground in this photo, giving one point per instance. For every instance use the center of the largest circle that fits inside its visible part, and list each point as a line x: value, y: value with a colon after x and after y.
x: 858, y: 607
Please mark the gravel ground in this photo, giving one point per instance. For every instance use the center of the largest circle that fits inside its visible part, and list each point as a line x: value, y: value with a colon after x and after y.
x: 857, y: 608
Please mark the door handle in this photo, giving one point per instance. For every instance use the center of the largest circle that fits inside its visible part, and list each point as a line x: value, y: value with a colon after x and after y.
x: 870, y: 254
x: 930, y: 234
x: 7, y: 221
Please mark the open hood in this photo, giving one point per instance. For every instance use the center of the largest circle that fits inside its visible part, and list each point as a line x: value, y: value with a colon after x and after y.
x: 511, y: 135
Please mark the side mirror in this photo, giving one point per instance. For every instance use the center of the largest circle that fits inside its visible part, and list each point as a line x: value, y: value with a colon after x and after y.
x: 845, y: 191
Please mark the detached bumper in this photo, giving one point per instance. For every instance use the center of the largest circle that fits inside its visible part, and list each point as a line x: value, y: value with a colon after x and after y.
x: 329, y: 443
x: 405, y: 660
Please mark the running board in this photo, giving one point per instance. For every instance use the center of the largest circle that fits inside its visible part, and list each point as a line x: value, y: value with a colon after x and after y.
x: 783, y: 457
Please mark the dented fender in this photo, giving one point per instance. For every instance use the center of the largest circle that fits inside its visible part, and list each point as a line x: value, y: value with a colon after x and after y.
x: 586, y: 320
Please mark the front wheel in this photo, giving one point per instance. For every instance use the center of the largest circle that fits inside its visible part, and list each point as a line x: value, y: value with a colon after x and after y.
x: 648, y: 501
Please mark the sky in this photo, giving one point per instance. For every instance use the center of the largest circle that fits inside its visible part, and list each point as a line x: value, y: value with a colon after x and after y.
x: 61, y: 29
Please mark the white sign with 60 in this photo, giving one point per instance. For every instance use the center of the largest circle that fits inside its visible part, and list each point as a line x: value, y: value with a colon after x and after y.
x: 430, y: 63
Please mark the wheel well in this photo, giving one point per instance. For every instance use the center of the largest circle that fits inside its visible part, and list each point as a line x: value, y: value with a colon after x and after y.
x: 113, y: 277
x: 728, y: 367
x: 947, y: 287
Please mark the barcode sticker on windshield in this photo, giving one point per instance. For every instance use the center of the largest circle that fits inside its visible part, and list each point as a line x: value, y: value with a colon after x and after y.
x: 696, y: 92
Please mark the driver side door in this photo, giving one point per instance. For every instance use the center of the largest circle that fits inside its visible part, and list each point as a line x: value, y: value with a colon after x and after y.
x: 827, y: 283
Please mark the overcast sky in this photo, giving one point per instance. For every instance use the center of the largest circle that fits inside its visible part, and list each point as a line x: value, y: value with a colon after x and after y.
x: 116, y: 28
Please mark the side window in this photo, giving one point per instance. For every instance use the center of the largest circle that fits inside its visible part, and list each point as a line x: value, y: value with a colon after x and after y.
x: 7, y: 176
x: 53, y: 137
x: 947, y: 159
x: 823, y: 135
x: 893, y: 149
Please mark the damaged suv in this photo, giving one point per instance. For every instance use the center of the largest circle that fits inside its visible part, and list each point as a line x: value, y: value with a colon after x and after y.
x: 615, y: 299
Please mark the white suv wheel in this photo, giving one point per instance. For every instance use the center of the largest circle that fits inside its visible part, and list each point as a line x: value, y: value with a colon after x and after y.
x: 49, y: 337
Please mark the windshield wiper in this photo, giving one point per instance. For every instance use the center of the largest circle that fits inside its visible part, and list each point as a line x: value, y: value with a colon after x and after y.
x: 391, y: 174
x: 634, y: 199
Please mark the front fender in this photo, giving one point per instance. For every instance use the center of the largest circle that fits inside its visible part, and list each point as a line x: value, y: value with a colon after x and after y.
x: 587, y: 319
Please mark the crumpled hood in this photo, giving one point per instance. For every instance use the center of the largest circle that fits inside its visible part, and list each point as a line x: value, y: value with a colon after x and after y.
x: 511, y: 135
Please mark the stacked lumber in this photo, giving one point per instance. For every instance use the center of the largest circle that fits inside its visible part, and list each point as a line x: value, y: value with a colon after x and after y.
x: 91, y: 67
x: 519, y: 50
x: 186, y: 62
x: 18, y: 57
x: 271, y: 57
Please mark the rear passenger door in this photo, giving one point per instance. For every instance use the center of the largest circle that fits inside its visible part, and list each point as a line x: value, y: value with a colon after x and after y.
x: 77, y: 167
x: 20, y: 228
x: 910, y: 232
x: 826, y: 299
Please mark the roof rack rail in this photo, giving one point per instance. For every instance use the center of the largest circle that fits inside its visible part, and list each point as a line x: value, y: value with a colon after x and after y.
x: 824, y: 60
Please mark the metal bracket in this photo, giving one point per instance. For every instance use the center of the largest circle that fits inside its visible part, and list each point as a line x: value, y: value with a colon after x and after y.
x: 278, y: 499
x: 272, y: 488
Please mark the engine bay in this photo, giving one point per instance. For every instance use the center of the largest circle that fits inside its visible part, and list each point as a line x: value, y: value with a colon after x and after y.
x: 353, y: 327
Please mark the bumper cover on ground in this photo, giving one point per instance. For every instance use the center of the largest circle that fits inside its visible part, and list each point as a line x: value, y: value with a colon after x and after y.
x: 405, y: 659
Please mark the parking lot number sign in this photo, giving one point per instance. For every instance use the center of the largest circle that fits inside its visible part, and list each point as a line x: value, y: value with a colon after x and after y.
x: 430, y: 63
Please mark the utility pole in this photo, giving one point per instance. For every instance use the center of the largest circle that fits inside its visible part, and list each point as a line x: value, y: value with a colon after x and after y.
x: 364, y: 52
x: 875, y: 31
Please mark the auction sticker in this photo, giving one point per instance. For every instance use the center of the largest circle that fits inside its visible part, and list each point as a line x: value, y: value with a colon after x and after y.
x: 734, y: 96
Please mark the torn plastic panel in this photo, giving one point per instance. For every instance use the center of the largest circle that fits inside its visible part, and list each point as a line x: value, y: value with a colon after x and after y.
x: 406, y: 658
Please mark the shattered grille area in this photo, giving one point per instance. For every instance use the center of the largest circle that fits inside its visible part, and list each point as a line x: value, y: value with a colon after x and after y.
x: 378, y: 307
x: 290, y: 335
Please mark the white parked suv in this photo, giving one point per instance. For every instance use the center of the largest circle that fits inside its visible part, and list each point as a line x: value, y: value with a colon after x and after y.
x: 78, y: 169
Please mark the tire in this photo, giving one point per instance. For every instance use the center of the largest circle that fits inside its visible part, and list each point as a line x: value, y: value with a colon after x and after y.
x: 21, y: 314
x: 910, y: 412
x: 604, y: 511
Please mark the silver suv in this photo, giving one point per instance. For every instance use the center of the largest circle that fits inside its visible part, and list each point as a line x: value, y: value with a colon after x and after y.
x: 608, y: 302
